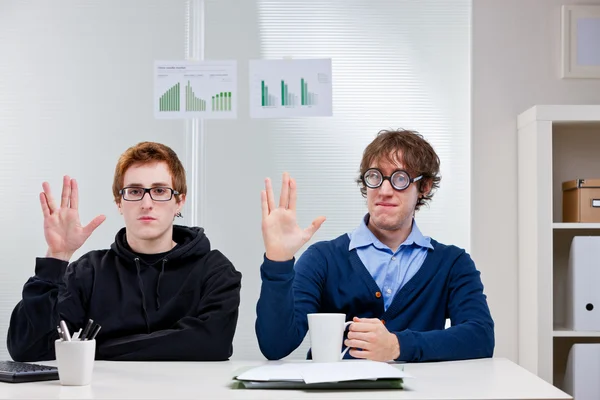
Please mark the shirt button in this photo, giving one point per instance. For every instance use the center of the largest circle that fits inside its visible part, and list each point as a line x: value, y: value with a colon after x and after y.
x: 393, y: 258
x: 378, y: 294
x: 389, y: 291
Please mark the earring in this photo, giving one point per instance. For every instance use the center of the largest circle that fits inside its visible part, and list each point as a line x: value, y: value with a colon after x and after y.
x: 179, y: 215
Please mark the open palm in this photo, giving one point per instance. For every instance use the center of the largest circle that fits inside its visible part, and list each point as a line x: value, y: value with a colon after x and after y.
x: 281, y: 234
x: 62, y: 229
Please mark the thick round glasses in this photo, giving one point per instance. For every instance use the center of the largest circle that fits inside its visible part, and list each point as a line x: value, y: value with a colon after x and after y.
x: 400, y: 180
x: 156, y: 193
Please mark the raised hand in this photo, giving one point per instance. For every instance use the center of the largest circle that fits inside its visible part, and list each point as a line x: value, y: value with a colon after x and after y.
x: 281, y: 234
x: 62, y: 229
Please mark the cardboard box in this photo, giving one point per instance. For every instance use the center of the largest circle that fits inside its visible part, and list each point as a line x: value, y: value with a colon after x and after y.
x: 581, y: 200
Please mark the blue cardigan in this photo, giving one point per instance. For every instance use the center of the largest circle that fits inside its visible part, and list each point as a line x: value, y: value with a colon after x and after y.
x: 329, y: 278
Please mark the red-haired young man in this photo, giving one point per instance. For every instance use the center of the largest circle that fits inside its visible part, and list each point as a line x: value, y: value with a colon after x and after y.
x: 158, y: 293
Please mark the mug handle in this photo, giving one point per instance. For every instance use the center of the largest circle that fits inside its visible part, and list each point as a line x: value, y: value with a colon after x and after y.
x: 347, y: 348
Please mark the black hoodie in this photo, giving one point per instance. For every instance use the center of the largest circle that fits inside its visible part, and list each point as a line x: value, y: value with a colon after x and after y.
x: 183, y: 306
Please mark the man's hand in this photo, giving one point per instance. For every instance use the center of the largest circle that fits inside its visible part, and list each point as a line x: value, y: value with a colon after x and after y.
x: 62, y: 229
x: 281, y: 234
x: 373, y: 339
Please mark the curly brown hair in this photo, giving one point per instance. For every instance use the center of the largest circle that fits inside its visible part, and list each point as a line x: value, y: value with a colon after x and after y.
x: 417, y: 155
x: 145, y: 153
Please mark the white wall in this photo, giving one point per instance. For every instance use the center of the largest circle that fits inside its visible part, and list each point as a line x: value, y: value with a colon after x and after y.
x: 516, y: 59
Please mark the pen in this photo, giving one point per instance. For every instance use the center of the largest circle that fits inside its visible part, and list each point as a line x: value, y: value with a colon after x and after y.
x: 94, y: 332
x: 65, y: 331
x: 86, y: 330
x: 60, y: 334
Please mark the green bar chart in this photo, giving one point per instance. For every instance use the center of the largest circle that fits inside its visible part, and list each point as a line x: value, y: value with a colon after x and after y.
x: 195, y: 89
x: 169, y: 101
x: 193, y: 103
x: 288, y: 99
x: 290, y: 88
x: 221, y: 101
x: 267, y: 99
x: 307, y: 98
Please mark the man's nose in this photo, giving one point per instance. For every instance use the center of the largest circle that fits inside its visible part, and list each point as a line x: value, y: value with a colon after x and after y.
x: 386, y: 187
x: 147, y: 201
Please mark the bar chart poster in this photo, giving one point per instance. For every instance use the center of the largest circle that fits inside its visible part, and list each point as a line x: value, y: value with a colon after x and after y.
x: 195, y: 89
x: 290, y: 88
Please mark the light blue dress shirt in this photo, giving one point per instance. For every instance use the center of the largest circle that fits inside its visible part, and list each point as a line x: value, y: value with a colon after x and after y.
x: 390, y: 270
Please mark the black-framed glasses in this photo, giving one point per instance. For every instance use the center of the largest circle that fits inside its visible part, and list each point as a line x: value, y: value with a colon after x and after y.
x: 158, y: 193
x: 400, y: 179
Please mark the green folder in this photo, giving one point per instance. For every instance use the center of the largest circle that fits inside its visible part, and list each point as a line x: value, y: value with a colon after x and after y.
x: 299, y: 385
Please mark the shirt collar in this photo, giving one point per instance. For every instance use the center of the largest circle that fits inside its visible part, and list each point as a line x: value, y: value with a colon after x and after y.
x: 362, y: 236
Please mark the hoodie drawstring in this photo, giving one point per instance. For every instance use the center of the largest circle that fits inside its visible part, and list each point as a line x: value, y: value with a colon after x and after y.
x: 141, y: 287
x: 162, y: 271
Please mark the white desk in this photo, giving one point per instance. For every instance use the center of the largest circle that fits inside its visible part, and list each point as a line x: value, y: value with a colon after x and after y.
x: 474, y: 379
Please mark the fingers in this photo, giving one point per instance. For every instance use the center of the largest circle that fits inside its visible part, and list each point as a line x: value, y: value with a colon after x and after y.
x: 372, y: 355
x: 366, y: 325
x: 360, y: 353
x: 369, y: 338
x: 48, y: 195
x: 91, y: 227
x: 361, y: 327
x: 310, y: 231
x: 375, y: 321
x: 66, y: 192
x: 284, y: 199
x: 362, y: 336
x: 292, y: 204
x: 44, y: 203
x: 270, y: 197
x: 264, y: 204
x: 74, y: 201
x: 358, y: 344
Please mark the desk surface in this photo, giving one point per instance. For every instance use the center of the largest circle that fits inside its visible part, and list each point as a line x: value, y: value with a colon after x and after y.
x: 495, y: 378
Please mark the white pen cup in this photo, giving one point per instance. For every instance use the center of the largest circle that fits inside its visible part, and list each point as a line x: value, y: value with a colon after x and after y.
x: 326, y: 336
x: 75, y: 360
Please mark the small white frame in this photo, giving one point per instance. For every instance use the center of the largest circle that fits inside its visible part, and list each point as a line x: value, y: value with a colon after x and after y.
x: 572, y: 44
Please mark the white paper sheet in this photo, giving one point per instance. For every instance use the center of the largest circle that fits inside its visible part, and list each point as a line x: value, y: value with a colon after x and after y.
x: 324, y: 372
x: 279, y: 372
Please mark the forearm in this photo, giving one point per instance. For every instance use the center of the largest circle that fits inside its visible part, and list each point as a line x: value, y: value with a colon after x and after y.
x: 277, y: 331
x: 188, y: 341
x: 32, y: 329
x: 28, y: 342
x: 473, y: 339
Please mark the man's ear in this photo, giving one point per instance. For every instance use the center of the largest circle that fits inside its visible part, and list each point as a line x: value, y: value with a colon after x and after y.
x: 180, y: 202
x: 426, y: 187
x: 119, y: 207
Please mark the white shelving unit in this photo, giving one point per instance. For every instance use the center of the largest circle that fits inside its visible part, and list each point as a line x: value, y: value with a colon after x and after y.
x: 555, y: 144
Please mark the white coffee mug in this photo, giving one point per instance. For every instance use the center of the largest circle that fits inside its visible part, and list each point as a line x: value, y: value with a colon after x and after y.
x: 326, y: 336
x: 75, y: 360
